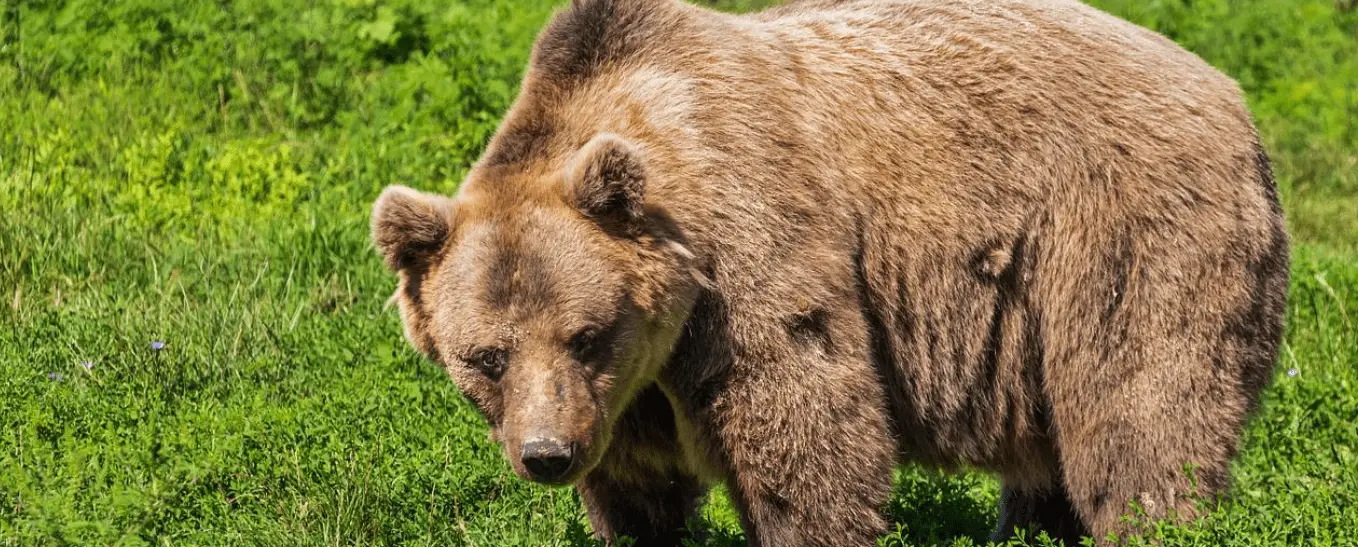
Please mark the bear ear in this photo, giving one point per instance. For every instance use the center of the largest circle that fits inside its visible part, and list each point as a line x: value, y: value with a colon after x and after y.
x: 607, y: 180
x: 409, y: 226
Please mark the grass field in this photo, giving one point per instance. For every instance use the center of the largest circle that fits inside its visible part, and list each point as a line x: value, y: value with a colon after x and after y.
x: 193, y: 344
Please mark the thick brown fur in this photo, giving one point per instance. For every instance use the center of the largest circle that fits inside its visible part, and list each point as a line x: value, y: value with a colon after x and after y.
x: 788, y: 250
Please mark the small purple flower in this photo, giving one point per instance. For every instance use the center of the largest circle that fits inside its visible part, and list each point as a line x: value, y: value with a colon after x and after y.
x: 1292, y: 372
x: 157, y: 345
x: 54, y: 377
x: 88, y: 365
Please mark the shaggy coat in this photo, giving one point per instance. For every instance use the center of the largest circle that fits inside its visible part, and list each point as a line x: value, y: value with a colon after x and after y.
x: 788, y: 250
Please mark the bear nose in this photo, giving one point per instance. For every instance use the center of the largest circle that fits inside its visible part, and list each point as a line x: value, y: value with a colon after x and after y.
x: 546, y: 459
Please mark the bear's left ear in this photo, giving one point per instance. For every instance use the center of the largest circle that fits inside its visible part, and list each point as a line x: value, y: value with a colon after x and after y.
x: 607, y: 180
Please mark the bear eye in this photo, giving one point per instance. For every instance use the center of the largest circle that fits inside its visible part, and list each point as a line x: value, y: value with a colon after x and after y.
x: 585, y: 343
x: 490, y: 361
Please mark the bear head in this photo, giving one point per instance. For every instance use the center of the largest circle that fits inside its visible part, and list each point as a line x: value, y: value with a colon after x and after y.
x: 550, y: 295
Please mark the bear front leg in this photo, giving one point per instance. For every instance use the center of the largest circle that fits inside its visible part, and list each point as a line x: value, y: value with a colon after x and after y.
x: 808, y: 446
x: 638, y: 489
x: 1036, y: 510
x: 653, y: 510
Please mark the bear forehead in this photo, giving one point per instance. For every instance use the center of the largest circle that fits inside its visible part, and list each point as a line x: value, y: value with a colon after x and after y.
x: 533, y: 265
x: 511, y: 192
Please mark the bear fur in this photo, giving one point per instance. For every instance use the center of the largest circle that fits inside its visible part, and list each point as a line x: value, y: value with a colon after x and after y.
x: 786, y: 251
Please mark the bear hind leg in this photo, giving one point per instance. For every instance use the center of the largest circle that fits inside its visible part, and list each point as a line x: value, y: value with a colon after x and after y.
x: 1163, y: 470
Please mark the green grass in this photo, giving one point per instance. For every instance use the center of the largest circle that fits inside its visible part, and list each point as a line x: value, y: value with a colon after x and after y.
x: 200, y: 173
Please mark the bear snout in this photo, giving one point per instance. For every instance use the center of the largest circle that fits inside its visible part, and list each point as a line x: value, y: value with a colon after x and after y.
x: 547, y: 460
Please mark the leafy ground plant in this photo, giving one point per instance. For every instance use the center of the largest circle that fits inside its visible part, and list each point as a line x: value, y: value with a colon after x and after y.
x: 193, y: 343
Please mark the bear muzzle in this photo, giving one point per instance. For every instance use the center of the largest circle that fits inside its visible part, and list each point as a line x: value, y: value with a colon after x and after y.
x: 547, y: 460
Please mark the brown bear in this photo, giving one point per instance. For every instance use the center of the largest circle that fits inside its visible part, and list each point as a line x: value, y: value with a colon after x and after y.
x: 785, y: 251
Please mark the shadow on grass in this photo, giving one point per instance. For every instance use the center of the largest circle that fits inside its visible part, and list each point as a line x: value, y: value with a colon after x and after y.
x: 926, y: 508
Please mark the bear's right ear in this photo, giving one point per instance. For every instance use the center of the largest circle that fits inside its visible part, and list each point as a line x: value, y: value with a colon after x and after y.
x: 409, y: 226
